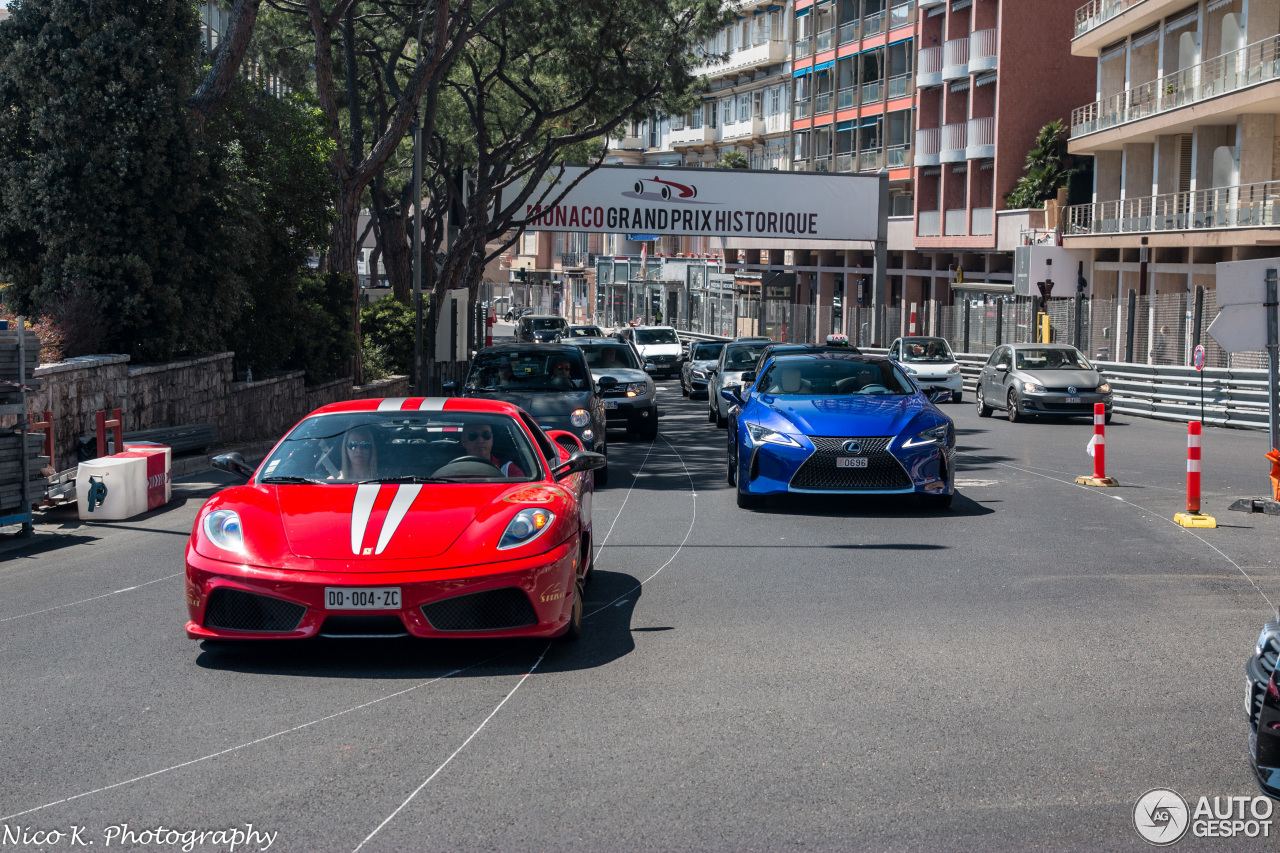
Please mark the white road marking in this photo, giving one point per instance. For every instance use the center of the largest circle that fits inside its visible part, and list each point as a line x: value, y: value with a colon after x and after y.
x: 625, y: 498
x: 87, y: 600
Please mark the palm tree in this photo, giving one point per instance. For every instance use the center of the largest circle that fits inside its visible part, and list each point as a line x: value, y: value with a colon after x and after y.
x: 1047, y: 168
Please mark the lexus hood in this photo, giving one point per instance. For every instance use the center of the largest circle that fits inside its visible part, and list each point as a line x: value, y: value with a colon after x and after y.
x: 856, y: 415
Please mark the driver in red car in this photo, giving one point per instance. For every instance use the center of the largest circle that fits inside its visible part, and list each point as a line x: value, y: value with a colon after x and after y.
x: 477, y: 440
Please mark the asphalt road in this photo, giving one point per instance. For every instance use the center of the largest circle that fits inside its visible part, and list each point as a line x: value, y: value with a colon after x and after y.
x: 816, y: 675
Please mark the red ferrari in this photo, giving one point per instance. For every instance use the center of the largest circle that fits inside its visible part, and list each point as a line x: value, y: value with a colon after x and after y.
x: 426, y: 516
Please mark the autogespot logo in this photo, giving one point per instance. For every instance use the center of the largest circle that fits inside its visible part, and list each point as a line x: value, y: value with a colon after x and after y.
x: 1161, y: 816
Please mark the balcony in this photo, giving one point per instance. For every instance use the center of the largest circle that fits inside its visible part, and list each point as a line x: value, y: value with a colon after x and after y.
x: 844, y: 162
x: 982, y: 50
x: 804, y: 47
x: 767, y: 52
x: 900, y: 86
x: 871, y: 92
x: 873, y: 25
x: 577, y: 260
x: 691, y: 136
x: 776, y: 123
x: 800, y: 109
x: 898, y: 157
x: 871, y: 160
x: 1249, y: 66
x: 822, y: 164
x: 825, y: 40
x: 849, y: 32
x: 751, y: 128
x: 955, y: 225
x: 629, y: 143
x: 984, y: 222
x: 930, y: 223
x: 847, y: 98
x: 928, y: 146
x: 1245, y: 206
x: 822, y: 103
x: 954, y: 137
x: 955, y: 59
x: 980, y: 143
x: 1095, y: 13
x: 902, y: 15
x: 801, y: 166
x: 929, y: 67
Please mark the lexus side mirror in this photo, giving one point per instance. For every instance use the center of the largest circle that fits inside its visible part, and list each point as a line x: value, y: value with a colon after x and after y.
x: 749, y: 378
x: 233, y: 463
x: 940, y: 395
x: 731, y: 395
x: 579, y: 460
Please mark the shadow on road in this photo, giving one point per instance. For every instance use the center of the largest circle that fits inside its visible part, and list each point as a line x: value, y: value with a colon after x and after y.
x: 868, y: 506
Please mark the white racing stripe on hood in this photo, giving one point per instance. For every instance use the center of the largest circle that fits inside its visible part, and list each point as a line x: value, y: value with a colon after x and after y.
x: 405, y: 496
x: 391, y: 404
x: 366, y: 494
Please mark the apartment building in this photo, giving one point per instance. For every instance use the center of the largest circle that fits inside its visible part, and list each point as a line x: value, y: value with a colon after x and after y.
x: 1183, y: 128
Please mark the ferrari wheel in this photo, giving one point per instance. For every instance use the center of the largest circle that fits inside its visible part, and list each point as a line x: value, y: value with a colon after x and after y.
x: 574, y: 629
x: 1012, y: 412
x: 984, y: 411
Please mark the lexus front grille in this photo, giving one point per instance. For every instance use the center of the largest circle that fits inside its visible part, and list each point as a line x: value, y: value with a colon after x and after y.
x: 819, y: 471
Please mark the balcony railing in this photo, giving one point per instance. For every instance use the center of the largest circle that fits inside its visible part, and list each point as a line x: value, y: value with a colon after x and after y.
x: 954, y: 224
x: 984, y: 221
x: 804, y: 47
x: 822, y: 164
x: 1095, y: 13
x: 898, y: 157
x: 982, y: 50
x: 1248, y: 66
x: 871, y: 160
x: 900, y: 86
x: 928, y: 146
x: 800, y: 109
x: 824, y: 40
x: 844, y: 162
x: 822, y: 103
x: 954, y: 137
x: 930, y: 223
x: 776, y: 123
x: 847, y: 98
x: 929, y: 67
x: 955, y: 59
x: 1245, y: 206
x: 848, y: 32
x: 871, y: 92
x: 873, y: 25
x: 902, y: 15
x: 980, y: 142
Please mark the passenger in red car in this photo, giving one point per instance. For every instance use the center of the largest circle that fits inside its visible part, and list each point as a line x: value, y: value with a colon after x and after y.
x: 477, y: 440
x: 359, y: 455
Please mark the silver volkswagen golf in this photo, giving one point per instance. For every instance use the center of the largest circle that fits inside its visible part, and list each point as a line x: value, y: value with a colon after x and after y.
x: 1040, y: 379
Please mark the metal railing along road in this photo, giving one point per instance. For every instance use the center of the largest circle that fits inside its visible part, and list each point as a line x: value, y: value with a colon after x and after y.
x: 1248, y: 66
x: 1244, y: 206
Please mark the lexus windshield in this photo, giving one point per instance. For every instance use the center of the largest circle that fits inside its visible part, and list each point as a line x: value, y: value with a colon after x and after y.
x: 826, y: 376
x: 927, y: 350
x: 1051, y: 359
x: 403, y: 447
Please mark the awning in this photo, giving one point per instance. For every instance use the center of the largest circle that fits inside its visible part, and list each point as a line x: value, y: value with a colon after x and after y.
x: 981, y: 287
x: 867, y: 121
x: 800, y: 13
x: 984, y: 80
x: 960, y: 85
x: 823, y: 66
x: 843, y: 126
x: 799, y: 72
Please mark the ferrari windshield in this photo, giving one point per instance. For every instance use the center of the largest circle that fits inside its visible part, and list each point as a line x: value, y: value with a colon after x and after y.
x: 403, y: 447
x: 610, y: 355
x: 1051, y: 359
x: 644, y: 337
x: 833, y: 376
x: 537, y: 368
x: 935, y: 350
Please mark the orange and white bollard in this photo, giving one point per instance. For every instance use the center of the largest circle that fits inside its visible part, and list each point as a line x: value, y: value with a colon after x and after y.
x: 1193, y: 517
x: 1098, y: 450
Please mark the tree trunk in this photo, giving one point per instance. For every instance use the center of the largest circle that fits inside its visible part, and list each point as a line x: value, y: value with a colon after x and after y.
x: 342, y: 258
x: 394, y: 225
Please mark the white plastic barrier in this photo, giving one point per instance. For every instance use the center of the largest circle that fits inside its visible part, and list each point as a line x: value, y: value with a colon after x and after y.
x: 126, y: 484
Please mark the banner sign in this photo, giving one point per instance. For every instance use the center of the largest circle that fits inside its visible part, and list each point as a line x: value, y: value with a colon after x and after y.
x: 715, y: 203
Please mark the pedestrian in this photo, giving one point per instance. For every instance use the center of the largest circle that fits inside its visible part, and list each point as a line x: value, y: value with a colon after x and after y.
x: 657, y: 316
x: 1162, y: 346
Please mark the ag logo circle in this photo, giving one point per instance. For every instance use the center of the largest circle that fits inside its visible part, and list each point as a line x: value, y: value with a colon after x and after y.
x: 1161, y: 816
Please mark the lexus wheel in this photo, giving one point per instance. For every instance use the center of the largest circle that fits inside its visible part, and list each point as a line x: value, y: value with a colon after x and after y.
x: 732, y: 456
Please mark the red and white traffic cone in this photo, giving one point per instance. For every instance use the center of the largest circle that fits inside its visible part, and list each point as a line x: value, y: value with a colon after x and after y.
x: 1193, y: 517
x: 1097, y: 448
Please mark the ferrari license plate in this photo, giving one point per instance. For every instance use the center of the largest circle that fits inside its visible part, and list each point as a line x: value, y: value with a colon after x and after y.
x: 362, y: 598
x: 611, y: 404
x: 851, y: 462
x: 1073, y: 399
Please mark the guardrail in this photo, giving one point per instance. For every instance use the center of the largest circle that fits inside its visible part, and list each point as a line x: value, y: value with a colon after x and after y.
x: 1232, y: 397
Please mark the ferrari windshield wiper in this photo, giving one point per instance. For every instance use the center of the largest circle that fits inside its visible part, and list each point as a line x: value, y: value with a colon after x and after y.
x: 408, y: 478
x: 289, y: 480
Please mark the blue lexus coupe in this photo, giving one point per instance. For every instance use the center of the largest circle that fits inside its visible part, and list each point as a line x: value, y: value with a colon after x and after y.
x: 838, y: 423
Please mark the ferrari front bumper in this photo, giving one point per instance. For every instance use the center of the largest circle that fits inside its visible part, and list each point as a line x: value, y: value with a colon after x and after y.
x: 529, y: 597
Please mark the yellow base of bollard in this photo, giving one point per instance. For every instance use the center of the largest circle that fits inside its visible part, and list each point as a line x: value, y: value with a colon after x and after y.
x: 1195, y: 519
x: 1096, y: 481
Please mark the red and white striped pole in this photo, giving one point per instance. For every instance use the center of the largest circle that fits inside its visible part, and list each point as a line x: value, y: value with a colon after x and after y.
x: 1193, y: 467
x: 1099, y: 441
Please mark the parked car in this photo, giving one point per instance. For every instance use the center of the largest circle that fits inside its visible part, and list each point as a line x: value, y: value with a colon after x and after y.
x: 737, y: 359
x: 531, y: 376
x: 930, y: 362
x: 540, y: 328
x: 699, y: 360
x: 657, y: 345
x: 630, y: 399
x: 1040, y: 379
x: 580, y: 332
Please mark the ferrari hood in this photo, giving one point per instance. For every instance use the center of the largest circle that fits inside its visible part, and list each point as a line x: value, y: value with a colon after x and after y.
x: 846, y: 415
x: 395, y: 521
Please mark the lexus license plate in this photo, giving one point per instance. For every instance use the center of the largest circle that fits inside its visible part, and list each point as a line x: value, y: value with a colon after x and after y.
x: 362, y: 598
x: 1073, y: 399
x: 851, y: 462
x: 611, y: 404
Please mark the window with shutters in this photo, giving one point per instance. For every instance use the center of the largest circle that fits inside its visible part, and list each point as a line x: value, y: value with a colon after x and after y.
x: 728, y: 111
x: 713, y: 113
x: 744, y: 108
x: 1185, y: 162
x: 695, y: 117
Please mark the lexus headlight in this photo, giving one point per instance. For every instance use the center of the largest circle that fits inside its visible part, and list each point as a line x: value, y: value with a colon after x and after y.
x: 222, y: 528
x: 527, y: 526
x: 580, y: 418
x: 1104, y: 388
x: 939, y: 436
x: 760, y: 433
x: 1032, y: 387
x: 637, y: 389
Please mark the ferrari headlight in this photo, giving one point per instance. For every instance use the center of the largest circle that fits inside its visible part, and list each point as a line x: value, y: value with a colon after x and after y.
x: 580, y: 418
x: 1032, y: 387
x: 937, y: 436
x: 1104, y: 388
x: 637, y: 389
x: 527, y: 526
x: 222, y: 528
x: 761, y: 433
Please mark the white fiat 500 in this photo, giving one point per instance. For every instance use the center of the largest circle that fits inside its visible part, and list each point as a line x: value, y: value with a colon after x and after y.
x: 931, y: 363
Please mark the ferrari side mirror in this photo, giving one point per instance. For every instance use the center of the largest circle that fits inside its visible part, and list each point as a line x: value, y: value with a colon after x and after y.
x: 233, y: 463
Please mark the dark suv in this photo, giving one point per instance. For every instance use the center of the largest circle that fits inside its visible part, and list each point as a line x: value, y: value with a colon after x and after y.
x: 540, y: 328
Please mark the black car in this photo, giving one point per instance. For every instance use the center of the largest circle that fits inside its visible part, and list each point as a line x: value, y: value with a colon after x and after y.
x: 586, y: 331
x: 551, y: 382
x: 540, y: 328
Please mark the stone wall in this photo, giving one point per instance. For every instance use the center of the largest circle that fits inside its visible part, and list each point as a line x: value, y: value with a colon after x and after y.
x: 190, y: 391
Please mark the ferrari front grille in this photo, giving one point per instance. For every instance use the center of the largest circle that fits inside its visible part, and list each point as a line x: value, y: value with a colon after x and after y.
x: 819, y: 471
x: 237, y: 610
x: 491, y: 610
